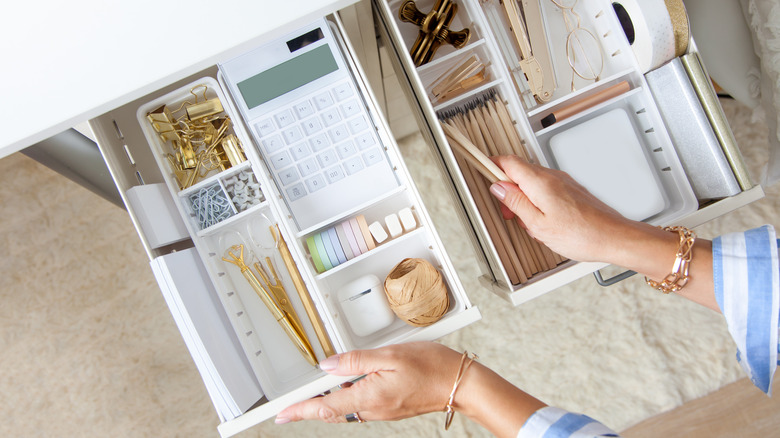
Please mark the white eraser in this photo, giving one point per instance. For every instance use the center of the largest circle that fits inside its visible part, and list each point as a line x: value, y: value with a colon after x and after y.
x: 378, y: 232
x: 407, y: 219
x: 393, y: 225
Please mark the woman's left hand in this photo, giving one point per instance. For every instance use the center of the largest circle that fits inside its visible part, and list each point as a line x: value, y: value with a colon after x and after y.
x: 401, y: 381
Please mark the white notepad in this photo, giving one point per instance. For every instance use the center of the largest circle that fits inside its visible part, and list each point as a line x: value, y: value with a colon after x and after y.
x: 206, y: 330
x: 605, y: 155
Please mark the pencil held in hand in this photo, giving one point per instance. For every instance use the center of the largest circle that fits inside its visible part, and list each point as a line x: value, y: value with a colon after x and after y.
x: 481, y: 129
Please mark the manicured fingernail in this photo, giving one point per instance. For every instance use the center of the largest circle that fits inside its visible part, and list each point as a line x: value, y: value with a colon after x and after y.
x: 281, y: 420
x: 498, y: 191
x: 330, y: 363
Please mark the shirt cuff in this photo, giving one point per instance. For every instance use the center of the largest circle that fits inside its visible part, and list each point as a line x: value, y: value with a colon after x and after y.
x: 746, y: 276
x: 555, y: 422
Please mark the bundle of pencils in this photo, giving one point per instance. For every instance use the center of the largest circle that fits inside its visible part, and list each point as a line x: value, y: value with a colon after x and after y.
x: 485, y: 123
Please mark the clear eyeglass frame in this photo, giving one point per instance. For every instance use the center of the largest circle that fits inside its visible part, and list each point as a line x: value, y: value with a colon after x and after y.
x: 583, y: 50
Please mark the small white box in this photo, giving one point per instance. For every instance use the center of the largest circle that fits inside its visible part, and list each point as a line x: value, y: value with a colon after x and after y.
x: 157, y: 215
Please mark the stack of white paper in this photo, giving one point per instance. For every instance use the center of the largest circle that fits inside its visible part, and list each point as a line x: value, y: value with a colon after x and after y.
x: 207, y: 332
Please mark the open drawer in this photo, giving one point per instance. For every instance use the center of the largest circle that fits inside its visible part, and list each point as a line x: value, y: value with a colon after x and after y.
x: 611, y: 132
x: 213, y: 233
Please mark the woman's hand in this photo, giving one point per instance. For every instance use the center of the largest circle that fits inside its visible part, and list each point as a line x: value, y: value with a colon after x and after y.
x: 559, y: 212
x: 401, y: 381
x: 407, y: 380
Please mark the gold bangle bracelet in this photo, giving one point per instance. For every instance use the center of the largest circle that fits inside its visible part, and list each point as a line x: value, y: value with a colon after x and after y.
x: 461, y: 372
x: 679, y: 277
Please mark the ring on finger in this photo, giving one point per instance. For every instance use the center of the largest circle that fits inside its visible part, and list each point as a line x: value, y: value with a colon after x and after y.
x: 354, y: 417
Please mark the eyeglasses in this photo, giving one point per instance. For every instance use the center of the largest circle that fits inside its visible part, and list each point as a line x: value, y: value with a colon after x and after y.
x: 582, y: 48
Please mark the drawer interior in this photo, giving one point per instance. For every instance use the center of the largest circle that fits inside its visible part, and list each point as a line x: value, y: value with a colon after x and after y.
x: 245, y: 206
x: 590, y: 61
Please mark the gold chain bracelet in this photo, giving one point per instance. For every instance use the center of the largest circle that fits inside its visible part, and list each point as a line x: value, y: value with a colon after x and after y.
x: 678, y: 278
x: 461, y: 372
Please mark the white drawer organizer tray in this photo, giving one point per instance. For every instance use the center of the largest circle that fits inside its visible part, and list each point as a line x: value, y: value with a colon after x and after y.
x: 136, y: 154
x: 619, y: 148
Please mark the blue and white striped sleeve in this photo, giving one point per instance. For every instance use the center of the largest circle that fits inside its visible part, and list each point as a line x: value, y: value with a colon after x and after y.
x: 552, y: 422
x: 747, y: 288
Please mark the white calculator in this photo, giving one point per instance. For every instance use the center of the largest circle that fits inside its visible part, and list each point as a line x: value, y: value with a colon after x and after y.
x: 309, y: 119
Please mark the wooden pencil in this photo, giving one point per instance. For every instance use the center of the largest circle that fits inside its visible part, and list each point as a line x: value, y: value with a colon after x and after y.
x: 491, y: 220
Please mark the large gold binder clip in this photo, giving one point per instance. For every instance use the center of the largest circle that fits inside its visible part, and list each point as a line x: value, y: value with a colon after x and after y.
x: 434, y: 29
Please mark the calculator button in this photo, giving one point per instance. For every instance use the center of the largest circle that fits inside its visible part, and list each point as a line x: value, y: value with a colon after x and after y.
x: 365, y: 141
x: 304, y: 109
x: 281, y: 160
x: 372, y: 157
x: 273, y: 144
x: 346, y: 149
x: 323, y: 100
x: 334, y: 174
x: 338, y: 133
x: 353, y: 165
x: 308, y: 167
x: 319, y: 142
x: 315, y: 183
x: 284, y: 118
x: 296, y: 192
x: 291, y: 135
x: 357, y: 124
x: 300, y: 151
x: 288, y: 176
x: 350, y: 108
x: 327, y: 158
x: 331, y: 117
x: 265, y: 127
x: 343, y: 91
x: 312, y: 126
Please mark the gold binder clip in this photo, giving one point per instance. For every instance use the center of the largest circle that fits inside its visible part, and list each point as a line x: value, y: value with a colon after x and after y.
x: 434, y: 29
x: 188, y: 158
x: 204, y: 109
x: 163, y: 122
x: 197, y: 132
x: 232, y: 150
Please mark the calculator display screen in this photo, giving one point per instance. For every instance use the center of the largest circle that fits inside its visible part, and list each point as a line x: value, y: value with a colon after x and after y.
x: 287, y: 76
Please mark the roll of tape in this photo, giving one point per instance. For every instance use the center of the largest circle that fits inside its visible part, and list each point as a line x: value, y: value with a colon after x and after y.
x: 654, y: 35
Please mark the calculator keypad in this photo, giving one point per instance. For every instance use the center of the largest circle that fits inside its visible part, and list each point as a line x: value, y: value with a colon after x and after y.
x: 318, y: 141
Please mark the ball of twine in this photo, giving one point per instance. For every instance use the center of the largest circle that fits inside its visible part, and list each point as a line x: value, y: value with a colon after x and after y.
x: 416, y: 292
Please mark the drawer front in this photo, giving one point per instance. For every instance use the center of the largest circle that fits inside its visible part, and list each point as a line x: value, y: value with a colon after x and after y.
x: 541, y: 141
x: 138, y: 154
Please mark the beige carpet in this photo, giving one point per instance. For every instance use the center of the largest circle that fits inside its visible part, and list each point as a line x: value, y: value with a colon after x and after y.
x: 89, y: 348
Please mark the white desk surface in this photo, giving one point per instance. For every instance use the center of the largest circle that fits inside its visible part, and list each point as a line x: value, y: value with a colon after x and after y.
x: 66, y: 62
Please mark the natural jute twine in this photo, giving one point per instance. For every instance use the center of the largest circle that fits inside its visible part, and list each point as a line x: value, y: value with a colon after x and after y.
x: 416, y: 292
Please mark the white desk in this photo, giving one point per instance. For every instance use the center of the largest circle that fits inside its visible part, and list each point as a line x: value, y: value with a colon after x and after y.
x: 66, y: 62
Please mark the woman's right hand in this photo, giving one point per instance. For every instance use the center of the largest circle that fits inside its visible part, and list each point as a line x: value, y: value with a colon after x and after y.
x: 561, y: 213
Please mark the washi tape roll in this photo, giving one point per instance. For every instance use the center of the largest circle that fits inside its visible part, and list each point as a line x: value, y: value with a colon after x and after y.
x: 329, y: 249
x: 351, y: 238
x: 361, y: 240
x: 361, y: 220
x: 334, y: 239
x: 657, y: 33
x: 344, y: 242
x: 315, y: 255
x: 322, y: 252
